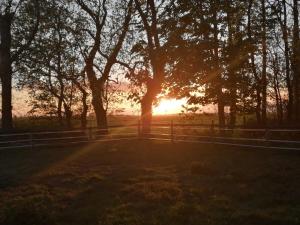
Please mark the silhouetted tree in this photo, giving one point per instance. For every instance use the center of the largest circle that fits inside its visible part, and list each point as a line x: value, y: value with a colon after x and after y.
x: 98, y: 28
x: 19, y: 21
x: 151, y: 49
x: 50, y: 72
x: 296, y: 60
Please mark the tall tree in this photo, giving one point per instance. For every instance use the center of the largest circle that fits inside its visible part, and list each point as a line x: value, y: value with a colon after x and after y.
x: 296, y: 60
x: 232, y: 76
x: 148, y: 13
x: 285, y: 36
x: 236, y: 58
x: 264, y: 63
x: 15, y: 41
x: 98, y: 17
x: 254, y: 70
x: 216, y: 58
x: 49, y: 72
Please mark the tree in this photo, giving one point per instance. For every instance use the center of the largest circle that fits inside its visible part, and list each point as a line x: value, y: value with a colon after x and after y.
x: 207, y: 54
x: 50, y: 72
x: 252, y: 59
x: 282, y: 16
x: 152, y: 51
x: 98, y: 17
x: 16, y: 39
x: 296, y: 61
x: 264, y: 63
x: 219, y: 77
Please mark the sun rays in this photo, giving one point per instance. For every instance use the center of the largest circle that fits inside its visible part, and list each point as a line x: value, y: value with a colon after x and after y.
x: 168, y: 106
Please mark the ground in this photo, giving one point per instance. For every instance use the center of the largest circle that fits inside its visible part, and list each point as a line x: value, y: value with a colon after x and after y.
x: 144, y: 182
x: 40, y: 123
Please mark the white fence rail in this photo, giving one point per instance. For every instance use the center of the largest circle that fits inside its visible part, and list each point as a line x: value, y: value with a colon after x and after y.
x: 63, y: 138
x: 288, y: 139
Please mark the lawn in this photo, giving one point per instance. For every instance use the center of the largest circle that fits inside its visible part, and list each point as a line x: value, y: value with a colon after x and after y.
x: 145, y: 182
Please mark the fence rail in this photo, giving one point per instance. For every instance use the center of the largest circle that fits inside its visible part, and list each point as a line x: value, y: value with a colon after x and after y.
x: 255, y: 138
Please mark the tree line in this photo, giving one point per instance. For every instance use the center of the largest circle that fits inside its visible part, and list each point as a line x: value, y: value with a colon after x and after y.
x: 243, y: 56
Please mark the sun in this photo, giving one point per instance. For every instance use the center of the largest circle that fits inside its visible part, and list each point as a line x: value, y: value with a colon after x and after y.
x: 168, y: 106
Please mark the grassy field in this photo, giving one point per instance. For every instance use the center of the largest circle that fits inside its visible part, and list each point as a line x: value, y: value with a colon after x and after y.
x: 48, y: 123
x: 43, y: 123
x: 128, y: 183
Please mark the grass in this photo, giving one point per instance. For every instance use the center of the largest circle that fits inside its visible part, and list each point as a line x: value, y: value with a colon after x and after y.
x: 149, y: 183
x: 42, y: 123
x: 33, y: 123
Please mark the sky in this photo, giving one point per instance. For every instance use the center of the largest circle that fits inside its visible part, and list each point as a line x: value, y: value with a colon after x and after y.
x: 165, y: 107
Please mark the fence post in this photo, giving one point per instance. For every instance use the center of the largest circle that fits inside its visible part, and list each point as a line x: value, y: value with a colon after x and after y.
x: 90, y: 134
x: 31, y: 141
x: 212, y: 128
x: 172, y: 131
x: 212, y: 131
x: 139, y: 129
x: 267, y: 136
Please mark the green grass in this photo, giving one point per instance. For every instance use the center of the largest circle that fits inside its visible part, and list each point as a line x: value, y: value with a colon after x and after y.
x: 141, y: 182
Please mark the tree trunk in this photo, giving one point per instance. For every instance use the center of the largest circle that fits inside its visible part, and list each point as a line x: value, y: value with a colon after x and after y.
x: 264, y: 66
x: 276, y: 88
x: 68, y: 113
x: 221, y: 113
x: 97, y: 88
x: 59, y: 111
x: 7, y: 123
x: 6, y: 70
x: 146, y: 115
x: 296, y: 62
x: 156, y: 60
x: 231, y: 69
x: 257, y: 90
x: 219, y: 86
x: 233, y: 100
x: 253, y: 67
x: 97, y: 103
x: 278, y: 103
x: 287, y: 64
x: 153, y: 89
x: 100, y: 112
x: 85, y: 108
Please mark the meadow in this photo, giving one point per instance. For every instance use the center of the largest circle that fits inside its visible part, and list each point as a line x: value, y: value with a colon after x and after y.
x: 51, y: 123
x: 149, y: 182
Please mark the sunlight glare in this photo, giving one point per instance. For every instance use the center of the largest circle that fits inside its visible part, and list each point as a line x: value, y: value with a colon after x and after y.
x: 168, y: 106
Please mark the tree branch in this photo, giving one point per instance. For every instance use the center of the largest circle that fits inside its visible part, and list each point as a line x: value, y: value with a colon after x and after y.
x: 32, y: 35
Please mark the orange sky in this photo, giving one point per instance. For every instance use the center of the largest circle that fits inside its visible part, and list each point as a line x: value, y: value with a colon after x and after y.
x: 169, y: 106
x: 165, y: 107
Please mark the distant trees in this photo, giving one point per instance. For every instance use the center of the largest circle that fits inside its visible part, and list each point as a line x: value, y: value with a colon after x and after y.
x: 242, y: 56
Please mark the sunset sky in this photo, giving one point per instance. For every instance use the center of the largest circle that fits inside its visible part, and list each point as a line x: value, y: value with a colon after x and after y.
x: 165, y: 107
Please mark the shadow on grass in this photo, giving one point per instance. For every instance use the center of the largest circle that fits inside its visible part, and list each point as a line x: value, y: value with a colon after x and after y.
x: 151, y: 183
